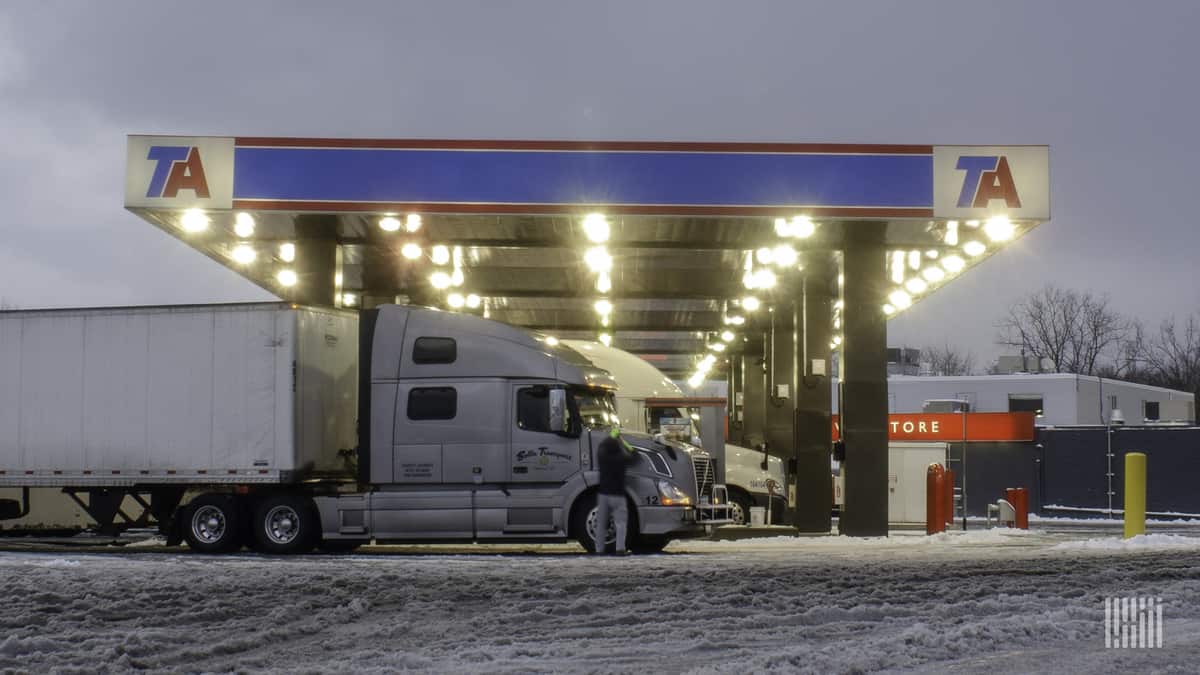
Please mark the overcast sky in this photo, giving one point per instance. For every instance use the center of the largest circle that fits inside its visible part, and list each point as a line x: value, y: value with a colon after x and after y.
x: 1111, y: 87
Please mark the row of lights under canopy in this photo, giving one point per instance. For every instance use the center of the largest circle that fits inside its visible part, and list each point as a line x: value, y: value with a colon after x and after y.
x: 915, y: 272
x: 448, y: 275
x: 600, y: 263
x: 246, y: 252
x: 760, y: 273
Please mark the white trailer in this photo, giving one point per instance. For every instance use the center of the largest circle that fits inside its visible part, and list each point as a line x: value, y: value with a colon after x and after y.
x: 261, y: 393
x: 123, y: 409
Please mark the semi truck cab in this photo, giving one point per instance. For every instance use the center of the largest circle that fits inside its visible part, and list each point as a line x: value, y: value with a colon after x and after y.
x: 475, y: 430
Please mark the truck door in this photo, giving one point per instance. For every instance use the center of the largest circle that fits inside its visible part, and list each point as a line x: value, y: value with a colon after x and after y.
x: 538, y: 455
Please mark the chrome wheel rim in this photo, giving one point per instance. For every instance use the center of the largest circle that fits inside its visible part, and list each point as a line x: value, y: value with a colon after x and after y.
x: 610, y: 536
x: 282, y: 524
x: 209, y: 524
x: 740, y: 517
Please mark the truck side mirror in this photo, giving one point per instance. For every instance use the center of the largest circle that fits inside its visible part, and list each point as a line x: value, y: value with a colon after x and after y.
x: 558, y: 411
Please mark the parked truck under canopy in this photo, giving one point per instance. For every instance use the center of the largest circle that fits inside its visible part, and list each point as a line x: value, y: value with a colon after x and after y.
x: 312, y: 427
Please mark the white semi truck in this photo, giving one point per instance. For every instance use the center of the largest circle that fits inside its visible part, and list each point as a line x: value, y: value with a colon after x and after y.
x: 747, y: 481
x: 285, y: 428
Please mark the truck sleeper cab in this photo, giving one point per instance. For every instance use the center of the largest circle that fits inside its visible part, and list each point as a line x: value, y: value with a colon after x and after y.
x: 473, y: 430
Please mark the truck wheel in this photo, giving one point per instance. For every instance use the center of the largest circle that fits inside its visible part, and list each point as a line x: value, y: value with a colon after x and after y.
x: 584, y: 524
x: 741, y: 508
x: 211, y: 524
x: 283, y: 524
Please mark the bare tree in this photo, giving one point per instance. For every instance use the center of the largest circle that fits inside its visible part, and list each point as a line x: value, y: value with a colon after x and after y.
x: 948, y: 360
x: 1172, y: 358
x: 4, y: 304
x: 1078, y: 332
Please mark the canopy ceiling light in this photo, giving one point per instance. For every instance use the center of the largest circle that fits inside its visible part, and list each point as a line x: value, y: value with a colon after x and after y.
x: 243, y: 225
x: 194, y: 220
x: 999, y: 228
x: 597, y: 259
x: 244, y: 254
x: 595, y: 227
x: 440, y: 255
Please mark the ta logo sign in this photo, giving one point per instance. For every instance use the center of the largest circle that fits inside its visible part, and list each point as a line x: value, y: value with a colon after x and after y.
x: 177, y: 167
x: 978, y: 181
x: 179, y: 172
x: 987, y: 178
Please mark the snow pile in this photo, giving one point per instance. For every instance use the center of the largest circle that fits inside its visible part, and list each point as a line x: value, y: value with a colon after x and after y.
x: 1138, y: 542
x: 900, y: 538
x: 955, y: 602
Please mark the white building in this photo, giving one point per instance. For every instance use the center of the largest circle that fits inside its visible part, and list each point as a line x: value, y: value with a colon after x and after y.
x: 1062, y: 399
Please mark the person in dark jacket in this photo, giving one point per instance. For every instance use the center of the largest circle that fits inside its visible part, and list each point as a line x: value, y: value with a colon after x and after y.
x: 613, y: 456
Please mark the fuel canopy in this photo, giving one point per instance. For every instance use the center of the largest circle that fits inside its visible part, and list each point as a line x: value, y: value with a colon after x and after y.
x: 663, y: 248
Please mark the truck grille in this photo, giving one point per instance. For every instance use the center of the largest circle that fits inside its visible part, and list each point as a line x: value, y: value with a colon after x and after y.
x: 705, y: 476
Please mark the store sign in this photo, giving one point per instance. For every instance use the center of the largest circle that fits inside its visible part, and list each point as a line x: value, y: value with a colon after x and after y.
x: 951, y: 427
x: 177, y: 172
x: 975, y: 182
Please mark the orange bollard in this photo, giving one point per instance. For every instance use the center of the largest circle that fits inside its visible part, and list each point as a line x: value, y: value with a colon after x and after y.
x: 948, y: 505
x: 935, y: 499
x: 1022, y: 509
x: 1019, y: 498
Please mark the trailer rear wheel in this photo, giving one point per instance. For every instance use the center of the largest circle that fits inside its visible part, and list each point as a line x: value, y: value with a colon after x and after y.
x: 283, y: 524
x: 211, y: 524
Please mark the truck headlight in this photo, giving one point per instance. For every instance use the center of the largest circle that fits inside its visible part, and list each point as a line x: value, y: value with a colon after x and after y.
x: 671, y: 495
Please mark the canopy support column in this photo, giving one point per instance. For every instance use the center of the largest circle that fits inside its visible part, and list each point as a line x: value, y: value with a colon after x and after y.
x: 864, y: 413
x: 810, y: 486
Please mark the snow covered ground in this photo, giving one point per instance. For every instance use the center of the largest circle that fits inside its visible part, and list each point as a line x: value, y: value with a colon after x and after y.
x: 983, y: 601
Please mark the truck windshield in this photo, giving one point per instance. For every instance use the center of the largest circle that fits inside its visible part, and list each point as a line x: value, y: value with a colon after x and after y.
x: 596, y: 408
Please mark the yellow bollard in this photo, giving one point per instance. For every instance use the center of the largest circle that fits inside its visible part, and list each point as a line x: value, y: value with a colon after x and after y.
x: 1135, y: 494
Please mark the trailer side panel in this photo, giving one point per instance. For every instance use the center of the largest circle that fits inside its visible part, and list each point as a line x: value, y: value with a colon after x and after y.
x: 216, y: 394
